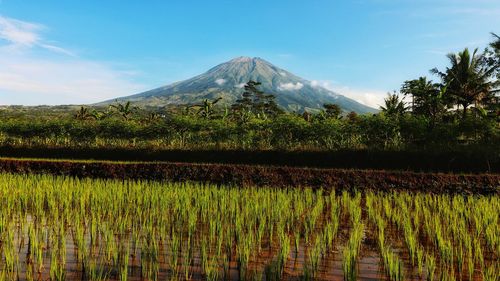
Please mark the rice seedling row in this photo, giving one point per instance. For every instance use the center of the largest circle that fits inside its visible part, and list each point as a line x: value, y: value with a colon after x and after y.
x: 62, y: 228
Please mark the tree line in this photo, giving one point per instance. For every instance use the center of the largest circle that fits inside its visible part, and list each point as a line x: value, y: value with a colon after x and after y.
x: 469, y: 83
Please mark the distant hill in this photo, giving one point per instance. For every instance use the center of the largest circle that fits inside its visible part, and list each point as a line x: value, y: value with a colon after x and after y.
x: 227, y: 80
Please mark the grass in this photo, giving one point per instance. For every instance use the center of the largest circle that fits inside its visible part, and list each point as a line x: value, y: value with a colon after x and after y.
x: 120, y: 229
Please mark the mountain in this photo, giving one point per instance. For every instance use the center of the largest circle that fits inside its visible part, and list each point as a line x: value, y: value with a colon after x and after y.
x: 227, y: 80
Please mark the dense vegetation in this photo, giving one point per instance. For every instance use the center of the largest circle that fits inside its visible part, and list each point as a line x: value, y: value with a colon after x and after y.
x: 460, y: 110
x: 65, y: 228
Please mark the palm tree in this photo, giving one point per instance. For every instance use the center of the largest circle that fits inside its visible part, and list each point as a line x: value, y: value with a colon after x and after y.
x: 206, y: 108
x: 496, y: 44
x: 125, y: 110
x: 495, y: 54
x: 83, y: 113
x: 100, y: 115
x: 470, y: 81
x: 394, y: 106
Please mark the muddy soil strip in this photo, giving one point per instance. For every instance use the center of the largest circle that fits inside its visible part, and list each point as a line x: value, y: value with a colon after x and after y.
x: 246, y: 175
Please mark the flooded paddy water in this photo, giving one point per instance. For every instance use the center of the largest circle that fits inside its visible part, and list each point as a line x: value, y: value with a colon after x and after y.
x: 58, y: 228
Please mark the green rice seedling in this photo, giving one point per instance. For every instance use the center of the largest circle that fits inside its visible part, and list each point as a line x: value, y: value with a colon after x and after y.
x: 329, y: 233
x: 187, y: 258
x: 174, y: 251
x: 96, y: 272
x: 220, y: 241
x: 32, y: 245
x: 393, y: 265
x: 271, y: 233
x: 447, y: 274
x: 459, y: 253
x: 297, y: 240
x: 381, y: 239
x: 410, y: 239
x: 445, y: 249
x: 284, y: 252
x: 272, y: 271
x: 491, y: 273
x: 123, y: 261
x: 39, y: 257
x: 11, y: 257
x: 470, y: 265
x: 244, y: 250
x: 420, y: 260
x: 351, y: 251
x: 204, y: 254
x: 135, y: 236
x: 478, y: 253
x: 57, y: 271
x: 260, y: 233
x: 212, y: 270
x: 349, y: 264
x: 430, y: 264
x: 315, y: 255
x: 29, y: 274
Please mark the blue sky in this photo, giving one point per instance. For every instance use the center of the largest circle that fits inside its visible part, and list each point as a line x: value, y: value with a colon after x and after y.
x: 69, y: 52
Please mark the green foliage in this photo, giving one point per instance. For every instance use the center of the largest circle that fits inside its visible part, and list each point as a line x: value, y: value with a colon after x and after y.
x: 469, y: 79
x: 285, y: 131
x: 428, y: 98
x: 206, y: 109
x: 332, y: 110
x: 125, y: 110
x: 394, y: 105
x: 255, y: 102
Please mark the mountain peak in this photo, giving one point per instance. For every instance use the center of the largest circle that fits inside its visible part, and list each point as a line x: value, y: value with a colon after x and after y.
x: 241, y: 59
x: 226, y: 81
x: 244, y: 59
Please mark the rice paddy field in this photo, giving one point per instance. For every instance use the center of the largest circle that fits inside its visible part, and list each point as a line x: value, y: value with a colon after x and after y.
x: 63, y: 228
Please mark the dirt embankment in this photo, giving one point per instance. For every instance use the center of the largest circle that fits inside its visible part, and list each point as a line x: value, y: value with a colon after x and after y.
x: 435, y: 161
x: 247, y: 175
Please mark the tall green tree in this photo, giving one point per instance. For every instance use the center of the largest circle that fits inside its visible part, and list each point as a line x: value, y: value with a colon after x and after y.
x: 496, y: 44
x: 469, y: 80
x: 394, y: 105
x: 255, y: 102
x: 494, y: 105
x: 332, y: 110
x: 427, y: 98
x: 491, y: 55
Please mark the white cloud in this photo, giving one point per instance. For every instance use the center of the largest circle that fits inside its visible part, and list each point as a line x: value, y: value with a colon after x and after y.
x: 19, y: 32
x: 24, y: 35
x: 290, y: 86
x: 33, y: 71
x: 220, y: 81
x: 316, y: 83
x: 29, y: 80
x: 283, y: 74
x: 369, y: 97
x: 57, y: 50
x: 241, y: 85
